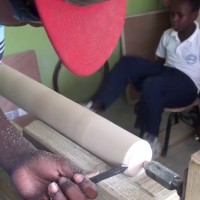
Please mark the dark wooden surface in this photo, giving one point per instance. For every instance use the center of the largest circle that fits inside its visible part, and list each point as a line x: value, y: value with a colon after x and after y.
x: 26, y: 63
x: 142, y: 33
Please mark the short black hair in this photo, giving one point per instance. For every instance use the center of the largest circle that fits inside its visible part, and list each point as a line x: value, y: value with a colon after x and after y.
x: 195, y: 4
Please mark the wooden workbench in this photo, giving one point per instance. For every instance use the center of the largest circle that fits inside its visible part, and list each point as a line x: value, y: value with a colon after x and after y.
x: 120, y: 187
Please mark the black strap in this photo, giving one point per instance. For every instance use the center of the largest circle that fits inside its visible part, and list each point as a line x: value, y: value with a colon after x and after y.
x: 24, y: 11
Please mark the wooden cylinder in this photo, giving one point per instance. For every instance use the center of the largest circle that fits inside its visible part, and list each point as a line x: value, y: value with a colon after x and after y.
x: 99, y: 136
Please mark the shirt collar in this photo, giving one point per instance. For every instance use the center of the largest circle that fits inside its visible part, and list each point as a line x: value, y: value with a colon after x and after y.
x: 191, y: 38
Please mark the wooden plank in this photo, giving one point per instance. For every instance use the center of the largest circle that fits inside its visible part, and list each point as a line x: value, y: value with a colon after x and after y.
x: 120, y: 187
x: 142, y: 33
x: 180, y: 132
x: 26, y: 63
x: 193, y: 183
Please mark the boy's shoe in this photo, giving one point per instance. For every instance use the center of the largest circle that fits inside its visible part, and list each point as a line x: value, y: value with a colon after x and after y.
x: 155, y: 145
x: 94, y: 106
x: 89, y: 106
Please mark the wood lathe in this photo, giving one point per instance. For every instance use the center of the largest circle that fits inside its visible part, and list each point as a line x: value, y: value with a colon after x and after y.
x: 104, y: 139
x: 84, y: 137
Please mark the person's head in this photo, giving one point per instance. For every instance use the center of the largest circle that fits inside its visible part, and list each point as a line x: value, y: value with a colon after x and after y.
x: 183, y: 13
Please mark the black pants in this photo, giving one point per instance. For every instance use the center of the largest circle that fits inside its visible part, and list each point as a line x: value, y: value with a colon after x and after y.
x: 159, y: 87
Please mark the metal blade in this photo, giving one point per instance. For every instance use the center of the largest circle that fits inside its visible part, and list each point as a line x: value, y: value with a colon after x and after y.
x: 109, y: 173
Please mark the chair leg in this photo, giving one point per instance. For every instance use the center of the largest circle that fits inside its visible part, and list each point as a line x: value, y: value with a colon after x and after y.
x: 167, y: 134
x: 192, y: 118
x: 176, y: 117
x: 196, y: 122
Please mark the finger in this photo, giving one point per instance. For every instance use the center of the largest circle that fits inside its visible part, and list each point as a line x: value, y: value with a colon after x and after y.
x: 70, y: 189
x: 87, y: 186
x: 55, y: 192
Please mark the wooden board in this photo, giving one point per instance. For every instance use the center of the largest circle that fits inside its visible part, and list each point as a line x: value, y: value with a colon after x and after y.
x: 26, y: 63
x: 120, y: 187
x: 193, y: 184
x: 142, y: 33
x: 182, y: 132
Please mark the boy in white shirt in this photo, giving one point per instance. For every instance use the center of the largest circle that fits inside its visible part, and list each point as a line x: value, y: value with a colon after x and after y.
x: 172, y: 81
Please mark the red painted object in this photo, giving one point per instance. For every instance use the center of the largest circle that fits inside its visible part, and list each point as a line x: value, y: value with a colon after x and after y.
x: 84, y: 37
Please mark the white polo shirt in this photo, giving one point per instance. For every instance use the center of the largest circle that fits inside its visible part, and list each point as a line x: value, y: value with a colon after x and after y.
x: 1, y: 41
x: 184, y: 56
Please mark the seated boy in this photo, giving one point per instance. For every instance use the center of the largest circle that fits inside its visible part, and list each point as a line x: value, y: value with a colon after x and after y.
x: 172, y: 81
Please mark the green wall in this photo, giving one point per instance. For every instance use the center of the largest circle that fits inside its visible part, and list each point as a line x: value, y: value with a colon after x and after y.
x: 79, y: 89
x: 142, y: 6
x: 19, y: 39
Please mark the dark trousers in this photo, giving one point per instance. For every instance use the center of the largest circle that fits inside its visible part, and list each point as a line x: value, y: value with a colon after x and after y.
x: 159, y: 87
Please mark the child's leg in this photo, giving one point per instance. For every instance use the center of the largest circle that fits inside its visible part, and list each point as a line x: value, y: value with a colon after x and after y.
x: 171, y: 88
x: 127, y: 70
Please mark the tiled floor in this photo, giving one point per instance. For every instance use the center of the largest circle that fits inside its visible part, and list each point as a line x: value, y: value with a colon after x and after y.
x: 182, y: 142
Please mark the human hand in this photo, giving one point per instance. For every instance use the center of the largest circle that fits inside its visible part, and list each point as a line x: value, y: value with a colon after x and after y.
x: 43, y: 176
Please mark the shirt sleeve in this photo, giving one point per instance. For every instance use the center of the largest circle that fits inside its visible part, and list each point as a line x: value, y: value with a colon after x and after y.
x: 2, y: 44
x: 161, y: 50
